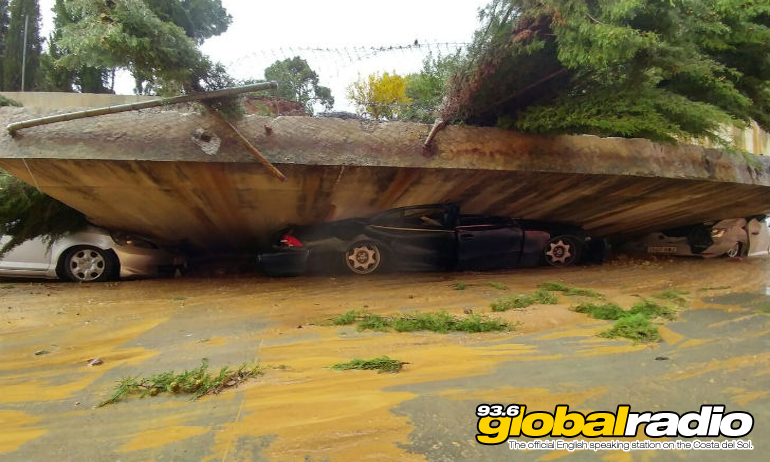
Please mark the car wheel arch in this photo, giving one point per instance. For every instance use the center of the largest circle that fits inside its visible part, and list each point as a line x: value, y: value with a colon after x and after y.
x: 65, y: 251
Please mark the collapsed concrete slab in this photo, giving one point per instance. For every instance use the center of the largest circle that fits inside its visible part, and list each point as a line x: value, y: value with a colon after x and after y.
x: 177, y: 173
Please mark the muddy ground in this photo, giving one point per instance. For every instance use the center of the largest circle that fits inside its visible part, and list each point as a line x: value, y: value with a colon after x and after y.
x: 301, y: 410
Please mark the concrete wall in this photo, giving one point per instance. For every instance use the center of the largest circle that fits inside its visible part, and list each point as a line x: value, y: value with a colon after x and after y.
x: 54, y: 100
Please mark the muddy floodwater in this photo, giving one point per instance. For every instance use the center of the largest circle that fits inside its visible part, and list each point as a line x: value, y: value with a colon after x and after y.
x: 716, y: 351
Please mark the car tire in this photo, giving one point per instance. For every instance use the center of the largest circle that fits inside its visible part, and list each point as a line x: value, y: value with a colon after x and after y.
x: 88, y: 264
x: 736, y: 251
x: 364, y: 257
x: 562, y: 251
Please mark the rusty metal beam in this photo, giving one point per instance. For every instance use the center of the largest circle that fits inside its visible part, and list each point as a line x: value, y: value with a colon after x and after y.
x: 16, y: 126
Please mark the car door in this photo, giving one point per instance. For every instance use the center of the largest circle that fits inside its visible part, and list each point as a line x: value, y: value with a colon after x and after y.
x: 488, y: 243
x: 28, y: 259
x: 759, y: 237
x: 418, y: 238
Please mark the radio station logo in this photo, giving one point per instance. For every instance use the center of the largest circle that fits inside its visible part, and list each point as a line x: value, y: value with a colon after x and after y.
x: 498, y: 422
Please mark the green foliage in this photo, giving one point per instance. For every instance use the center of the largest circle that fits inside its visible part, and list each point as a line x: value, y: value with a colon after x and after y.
x: 635, y: 327
x: 26, y: 213
x: 200, y: 19
x: 5, y: 19
x: 129, y: 34
x: 460, y: 285
x: 519, y: 301
x: 298, y: 82
x: 381, y: 364
x: 8, y: 102
x: 345, y: 319
x: 653, y: 310
x: 608, y: 311
x: 14, y: 46
x: 567, y: 290
x: 426, y: 89
x: 441, y: 322
x: 663, y: 70
x: 497, y: 285
x: 86, y: 79
x: 197, y: 382
x: 673, y: 295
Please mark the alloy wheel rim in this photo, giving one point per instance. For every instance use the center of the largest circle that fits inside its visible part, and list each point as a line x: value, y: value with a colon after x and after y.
x: 87, y: 265
x: 363, y: 259
x: 559, y: 252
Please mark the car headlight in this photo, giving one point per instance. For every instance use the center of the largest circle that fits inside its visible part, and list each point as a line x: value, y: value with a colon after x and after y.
x: 716, y: 233
x: 122, y: 238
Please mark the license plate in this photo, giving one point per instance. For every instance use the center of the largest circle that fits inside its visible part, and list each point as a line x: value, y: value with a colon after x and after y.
x: 662, y: 249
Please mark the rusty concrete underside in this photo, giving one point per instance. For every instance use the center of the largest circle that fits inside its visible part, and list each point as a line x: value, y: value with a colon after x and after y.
x: 177, y: 174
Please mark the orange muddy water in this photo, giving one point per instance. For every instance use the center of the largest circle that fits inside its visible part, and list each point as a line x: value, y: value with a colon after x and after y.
x: 716, y: 351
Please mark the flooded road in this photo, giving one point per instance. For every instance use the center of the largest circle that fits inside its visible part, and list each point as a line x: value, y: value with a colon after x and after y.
x: 715, y: 352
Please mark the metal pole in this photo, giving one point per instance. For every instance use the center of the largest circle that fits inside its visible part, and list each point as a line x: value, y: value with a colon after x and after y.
x: 24, y: 53
x: 12, y: 128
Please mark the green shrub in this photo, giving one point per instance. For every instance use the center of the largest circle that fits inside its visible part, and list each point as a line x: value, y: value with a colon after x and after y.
x: 609, y: 311
x: 381, y: 364
x: 636, y: 327
x: 653, y: 310
x: 567, y: 290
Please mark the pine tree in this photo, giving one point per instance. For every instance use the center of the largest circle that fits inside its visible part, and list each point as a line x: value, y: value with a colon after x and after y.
x: 661, y: 69
x: 20, y: 10
x: 86, y: 79
x: 4, y: 20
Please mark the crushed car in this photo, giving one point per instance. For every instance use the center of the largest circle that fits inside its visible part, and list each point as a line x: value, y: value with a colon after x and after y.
x: 92, y: 255
x: 733, y: 237
x: 425, y: 237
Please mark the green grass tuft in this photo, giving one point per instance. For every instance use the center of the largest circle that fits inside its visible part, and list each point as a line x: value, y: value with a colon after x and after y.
x: 345, y: 319
x: 381, y: 364
x: 374, y: 322
x: 497, y: 285
x: 460, y: 286
x: 673, y: 295
x: 608, y: 311
x: 636, y: 327
x: 441, y: 322
x: 519, y: 301
x: 653, y: 310
x: 559, y: 287
x: 197, y: 382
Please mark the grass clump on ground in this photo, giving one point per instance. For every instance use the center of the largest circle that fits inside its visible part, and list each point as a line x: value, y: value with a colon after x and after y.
x: 345, y: 319
x: 460, y: 285
x: 673, y: 295
x: 197, y: 382
x: 567, y: 290
x: 653, y: 310
x: 607, y: 311
x: 634, y: 324
x: 381, y: 364
x: 497, y: 285
x: 441, y: 322
x: 519, y: 301
x: 635, y: 327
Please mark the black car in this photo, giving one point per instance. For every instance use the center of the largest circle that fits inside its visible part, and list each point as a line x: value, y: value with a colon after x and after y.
x: 424, y: 237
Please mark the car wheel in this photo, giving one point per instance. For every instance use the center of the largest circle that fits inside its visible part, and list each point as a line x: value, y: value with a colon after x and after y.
x: 88, y: 264
x: 735, y: 251
x: 363, y: 257
x: 562, y: 251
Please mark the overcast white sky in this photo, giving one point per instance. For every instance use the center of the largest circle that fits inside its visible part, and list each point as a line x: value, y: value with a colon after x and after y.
x: 262, y: 32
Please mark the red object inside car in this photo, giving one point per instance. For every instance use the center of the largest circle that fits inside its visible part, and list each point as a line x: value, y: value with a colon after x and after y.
x: 290, y: 241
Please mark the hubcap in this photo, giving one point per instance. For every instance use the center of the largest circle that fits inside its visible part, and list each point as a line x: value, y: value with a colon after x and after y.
x: 559, y: 252
x: 363, y: 258
x: 87, y: 265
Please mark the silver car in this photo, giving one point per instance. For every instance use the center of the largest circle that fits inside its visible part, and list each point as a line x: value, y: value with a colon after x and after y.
x: 734, y: 237
x: 93, y: 255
